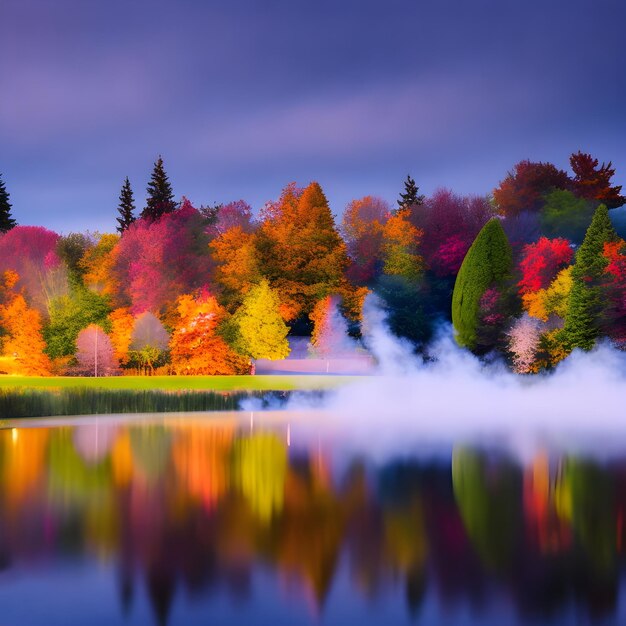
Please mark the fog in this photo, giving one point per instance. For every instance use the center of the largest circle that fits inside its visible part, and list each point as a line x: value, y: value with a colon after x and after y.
x: 457, y: 398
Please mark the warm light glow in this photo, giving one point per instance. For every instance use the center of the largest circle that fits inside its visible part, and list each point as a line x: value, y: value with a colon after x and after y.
x: 14, y: 435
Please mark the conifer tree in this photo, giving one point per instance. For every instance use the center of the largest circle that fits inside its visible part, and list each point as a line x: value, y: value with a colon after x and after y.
x: 411, y: 196
x: 126, y: 207
x: 487, y: 263
x: 585, y: 305
x: 160, y: 195
x: 6, y: 220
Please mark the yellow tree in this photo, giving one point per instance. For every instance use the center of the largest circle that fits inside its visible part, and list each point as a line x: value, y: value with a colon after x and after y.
x: 23, y: 341
x: 400, y: 247
x: 262, y: 333
x: 235, y: 254
x: 195, y: 347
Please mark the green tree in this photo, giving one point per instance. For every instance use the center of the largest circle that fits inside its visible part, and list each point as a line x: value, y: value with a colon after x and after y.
x: 585, y: 305
x: 6, y: 220
x: 565, y: 215
x: 125, y: 207
x: 72, y: 248
x: 160, y: 195
x: 487, y: 263
x: 262, y: 333
x: 69, y: 315
x: 411, y: 196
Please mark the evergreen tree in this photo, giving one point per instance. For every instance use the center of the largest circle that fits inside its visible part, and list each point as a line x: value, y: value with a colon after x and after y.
x: 487, y: 263
x: 585, y: 305
x: 6, y: 220
x: 160, y: 195
x: 126, y: 207
x: 411, y: 196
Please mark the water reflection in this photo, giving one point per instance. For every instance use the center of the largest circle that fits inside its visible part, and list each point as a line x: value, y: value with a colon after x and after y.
x: 193, y: 510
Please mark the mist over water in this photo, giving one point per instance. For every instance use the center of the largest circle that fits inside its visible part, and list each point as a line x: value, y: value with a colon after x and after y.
x: 457, y: 397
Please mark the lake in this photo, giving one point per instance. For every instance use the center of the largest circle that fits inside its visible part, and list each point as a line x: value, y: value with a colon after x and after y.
x: 276, y: 518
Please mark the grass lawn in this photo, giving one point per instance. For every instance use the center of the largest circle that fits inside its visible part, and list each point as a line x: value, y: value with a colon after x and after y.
x: 172, y: 383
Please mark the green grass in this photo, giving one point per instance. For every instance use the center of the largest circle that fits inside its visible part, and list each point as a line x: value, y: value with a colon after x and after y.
x: 178, y: 383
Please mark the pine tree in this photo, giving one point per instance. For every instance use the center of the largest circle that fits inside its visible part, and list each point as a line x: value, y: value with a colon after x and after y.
x: 126, y: 207
x: 6, y: 220
x: 487, y: 262
x: 585, y: 305
x: 411, y: 196
x: 160, y: 195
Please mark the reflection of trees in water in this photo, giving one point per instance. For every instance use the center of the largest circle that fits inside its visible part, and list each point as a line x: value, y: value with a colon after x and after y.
x: 195, y: 507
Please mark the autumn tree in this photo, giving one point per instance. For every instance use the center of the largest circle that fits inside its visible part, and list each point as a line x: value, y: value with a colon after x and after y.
x: 196, y: 348
x: 614, y: 291
x: 594, y: 183
x: 262, y: 333
x: 486, y: 264
x: 31, y: 251
x: 362, y: 229
x: 22, y: 340
x: 585, y: 305
x: 6, y: 219
x: 541, y: 262
x: 231, y: 215
x: 98, y: 264
x: 411, y: 197
x: 125, y: 207
x: 301, y: 252
x: 156, y: 261
x: 450, y: 223
x: 525, y: 188
x: 122, y: 325
x: 71, y: 249
x: 236, y: 265
x: 524, y: 340
x: 400, y: 247
x: 160, y: 199
x: 94, y: 352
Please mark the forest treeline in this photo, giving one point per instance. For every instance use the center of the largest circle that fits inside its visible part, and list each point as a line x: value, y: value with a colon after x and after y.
x: 532, y: 271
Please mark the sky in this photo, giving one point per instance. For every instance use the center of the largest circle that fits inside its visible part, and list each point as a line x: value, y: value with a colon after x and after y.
x: 241, y: 97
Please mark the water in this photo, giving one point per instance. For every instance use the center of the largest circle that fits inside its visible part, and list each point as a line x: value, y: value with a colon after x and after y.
x: 277, y: 519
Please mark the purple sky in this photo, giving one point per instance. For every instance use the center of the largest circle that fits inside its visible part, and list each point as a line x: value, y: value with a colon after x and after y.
x: 241, y: 97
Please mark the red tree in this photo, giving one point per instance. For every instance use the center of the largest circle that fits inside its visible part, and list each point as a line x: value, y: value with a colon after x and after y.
x: 594, y: 183
x: 524, y: 188
x: 615, y: 291
x: 542, y: 261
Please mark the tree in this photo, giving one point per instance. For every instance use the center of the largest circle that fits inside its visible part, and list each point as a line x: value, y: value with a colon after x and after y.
x: 582, y: 321
x: 237, y: 265
x: 122, y: 325
x: 71, y: 249
x: 69, y: 315
x: 362, y: 230
x: 262, y: 333
x: 156, y: 261
x: 411, y: 197
x: 399, y: 248
x: 565, y: 215
x: 593, y: 183
x: 487, y: 263
x: 94, y: 352
x: 450, y: 223
x: 615, y: 291
x: 148, y: 341
x: 541, y: 262
x: 525, y: 188
x: 301, y: 252
x: 196, y: 348
x: 21, y: 325
x: 98, y: 263
x: 6, y: 220
x: 125, y: 207
x: 160, y: 195
x: 31, y: 251
x: 524, y: 341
